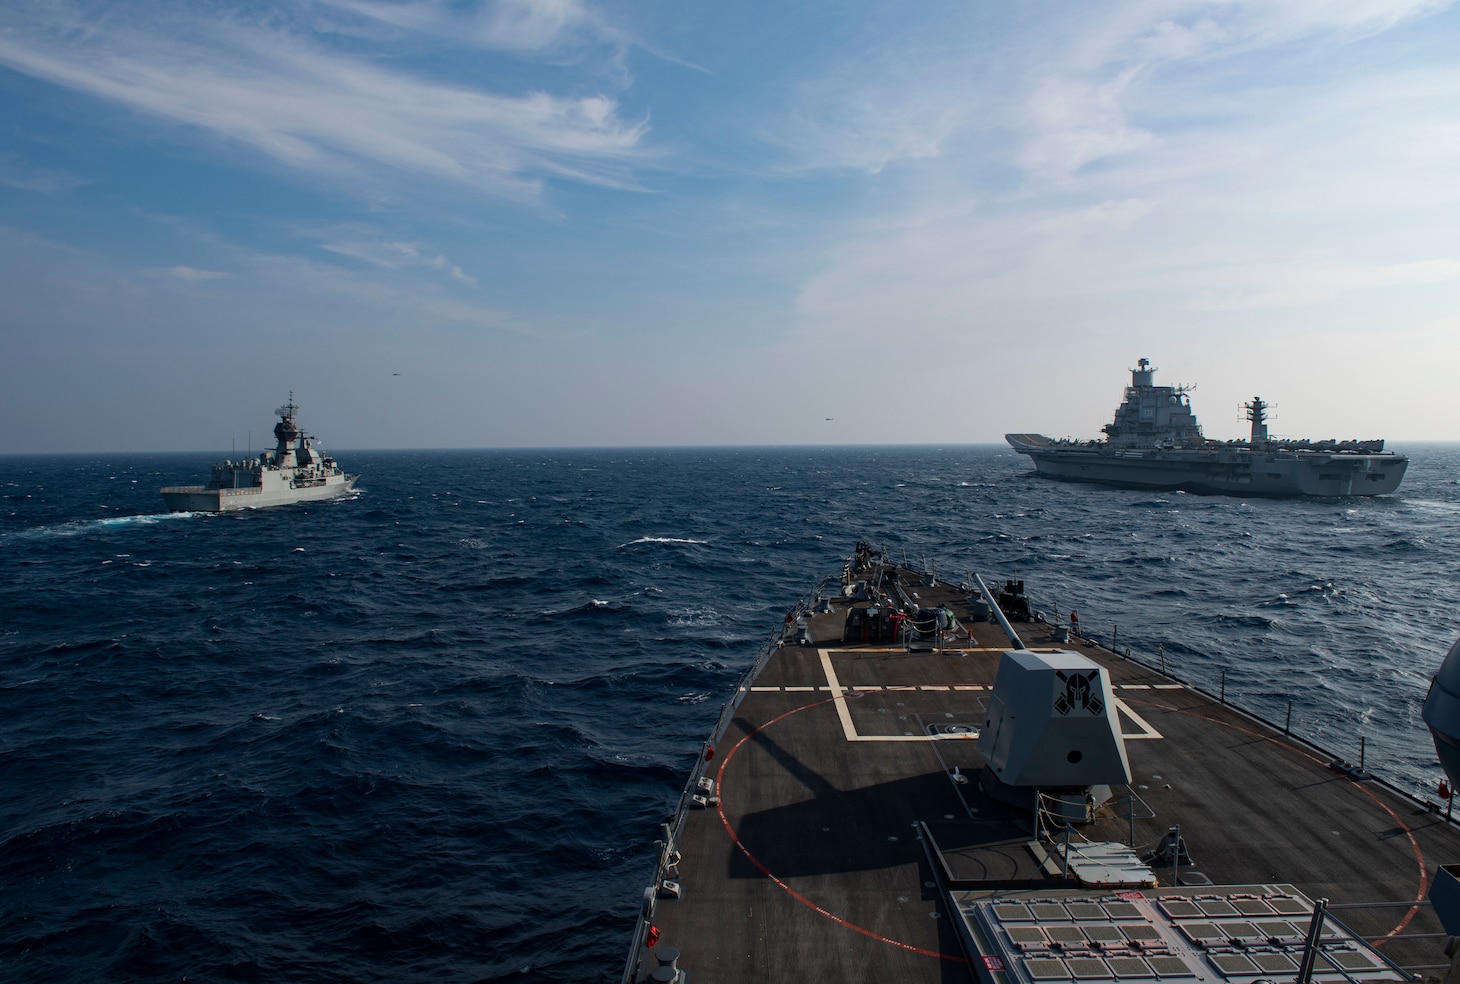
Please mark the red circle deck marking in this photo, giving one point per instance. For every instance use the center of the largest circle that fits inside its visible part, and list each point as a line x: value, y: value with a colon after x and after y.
x: 1419, y: 854
x: 734, y: 839
x: 729, y: 830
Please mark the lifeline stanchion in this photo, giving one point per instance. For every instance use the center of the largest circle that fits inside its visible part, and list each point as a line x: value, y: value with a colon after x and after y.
x: 1310, y: 947
x: 1175, y: 851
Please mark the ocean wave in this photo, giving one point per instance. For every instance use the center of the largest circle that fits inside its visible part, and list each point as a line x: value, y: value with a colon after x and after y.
x: 89, y: 527
x: 595, y: 606
x: 188, y: 732
x: 1249, y: 621
x: 663, y: 539
x: 693, y: 618
x: 91, y: 645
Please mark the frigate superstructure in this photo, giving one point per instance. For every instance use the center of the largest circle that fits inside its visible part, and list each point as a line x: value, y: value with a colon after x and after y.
x: 1156, y: 442
x: 938, y: 782
x: 297, y: 470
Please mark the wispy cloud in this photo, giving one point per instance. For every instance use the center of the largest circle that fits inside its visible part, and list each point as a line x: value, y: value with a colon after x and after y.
x: 15, y: 173
x: 1158, y: 156
x: 1077, y: 121
x: 528, y: 27
x: 396, y: 255
x: 191, y: 274
x: 867, y: 130
x: 1295, y: 285
x: 897, y: 93
x: 1072, y: 93
x: 558, y: 32
x: 293, y: 98
x: 382, y: 299
x: 1080, y: 107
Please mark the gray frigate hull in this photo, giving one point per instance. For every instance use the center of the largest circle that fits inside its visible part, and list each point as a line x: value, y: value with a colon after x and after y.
x: 297, y: 470
x: 201, y: 498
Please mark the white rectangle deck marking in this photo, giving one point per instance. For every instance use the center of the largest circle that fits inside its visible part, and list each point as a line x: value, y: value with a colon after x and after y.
x: 1146, y: 730
x: 1135, y: 686
x: 966, y: 687
x: 933, y: 688
x: 837, y: 698
x: 875, y: 686
x: 765, y: 690
x: 845, y: 715
x: 1170, y: 686
x: 799, y: 690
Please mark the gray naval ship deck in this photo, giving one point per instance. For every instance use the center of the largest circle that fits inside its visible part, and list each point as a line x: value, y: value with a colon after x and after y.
x: 836, y: 830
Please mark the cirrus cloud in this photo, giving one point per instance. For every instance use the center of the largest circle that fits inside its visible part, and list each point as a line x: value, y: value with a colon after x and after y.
x: 307, y: 105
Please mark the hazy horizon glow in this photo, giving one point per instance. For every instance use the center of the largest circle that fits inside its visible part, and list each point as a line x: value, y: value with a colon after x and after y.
x: 573, y: 224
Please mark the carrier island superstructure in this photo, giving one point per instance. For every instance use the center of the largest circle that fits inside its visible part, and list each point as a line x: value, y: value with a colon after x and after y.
x: 297, y: 470
x: 1156, y: 442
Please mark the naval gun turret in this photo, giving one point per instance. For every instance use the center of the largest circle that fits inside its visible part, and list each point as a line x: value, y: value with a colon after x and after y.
x: 1051, y: 738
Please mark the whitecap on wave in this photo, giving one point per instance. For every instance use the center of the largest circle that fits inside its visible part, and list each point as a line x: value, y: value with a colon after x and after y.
x: 694, y: 617
x: 662, y: 539
x: 81, y: 527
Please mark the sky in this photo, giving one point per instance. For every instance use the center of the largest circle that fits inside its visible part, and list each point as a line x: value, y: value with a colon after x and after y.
x: 569, y: 223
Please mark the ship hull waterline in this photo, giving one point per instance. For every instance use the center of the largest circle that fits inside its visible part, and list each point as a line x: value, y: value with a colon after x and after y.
x: 197, y: 498
x: 1233, y: 473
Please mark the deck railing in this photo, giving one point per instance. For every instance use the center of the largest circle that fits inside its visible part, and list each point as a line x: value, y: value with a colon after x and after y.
x: 1118, y: 646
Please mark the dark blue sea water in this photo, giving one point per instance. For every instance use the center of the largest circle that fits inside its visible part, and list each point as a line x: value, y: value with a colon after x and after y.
x: 427, y: 732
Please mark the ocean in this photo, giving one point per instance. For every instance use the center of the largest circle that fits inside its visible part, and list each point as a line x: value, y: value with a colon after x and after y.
x: 428, y: 732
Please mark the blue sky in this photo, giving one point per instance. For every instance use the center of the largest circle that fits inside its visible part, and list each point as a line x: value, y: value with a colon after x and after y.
x: 571, y: 223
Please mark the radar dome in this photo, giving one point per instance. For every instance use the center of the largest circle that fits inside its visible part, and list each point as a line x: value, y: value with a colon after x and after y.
x: 1442, y: 713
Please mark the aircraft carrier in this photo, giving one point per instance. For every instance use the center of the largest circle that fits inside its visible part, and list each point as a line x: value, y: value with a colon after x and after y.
x: 932, y: 782
x: 297, y: 470
x: 1156, y: 442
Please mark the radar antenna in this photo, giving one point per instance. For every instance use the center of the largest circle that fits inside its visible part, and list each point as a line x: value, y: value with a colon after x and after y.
x: 1257, y: 413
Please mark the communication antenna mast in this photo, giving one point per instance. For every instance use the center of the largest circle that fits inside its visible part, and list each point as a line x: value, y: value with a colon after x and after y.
x: 1257, y: 413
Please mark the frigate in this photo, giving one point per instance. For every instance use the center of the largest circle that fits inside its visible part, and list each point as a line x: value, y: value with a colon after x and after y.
x: 937, y: 782
x: 1156, y: 442
x: 297, y: 470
